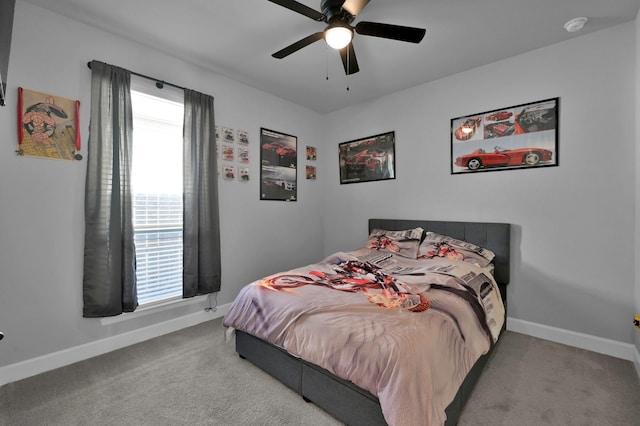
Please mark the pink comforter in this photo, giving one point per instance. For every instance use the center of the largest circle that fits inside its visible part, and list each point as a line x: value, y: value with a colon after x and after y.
x: 414, y: 362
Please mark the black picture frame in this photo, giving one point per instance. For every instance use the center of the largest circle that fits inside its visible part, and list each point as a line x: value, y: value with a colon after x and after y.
x: 278, y: 166
x: 368, y: 159
x: 522, y: 136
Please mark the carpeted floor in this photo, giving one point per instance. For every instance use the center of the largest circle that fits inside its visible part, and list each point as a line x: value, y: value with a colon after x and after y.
x: 531, y: 381
x: 194, y: 377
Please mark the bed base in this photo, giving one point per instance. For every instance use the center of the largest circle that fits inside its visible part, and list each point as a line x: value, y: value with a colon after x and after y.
x: 342, y: 399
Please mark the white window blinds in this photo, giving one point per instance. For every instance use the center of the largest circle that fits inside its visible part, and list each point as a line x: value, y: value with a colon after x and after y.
x: 157, y: 188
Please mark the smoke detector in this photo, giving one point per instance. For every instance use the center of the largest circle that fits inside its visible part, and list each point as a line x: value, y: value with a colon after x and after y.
x: 575, y: 24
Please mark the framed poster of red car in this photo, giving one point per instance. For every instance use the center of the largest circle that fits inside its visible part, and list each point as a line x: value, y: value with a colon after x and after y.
x: 516, y: 137
x: 368, y: 159
x: 278, y: 166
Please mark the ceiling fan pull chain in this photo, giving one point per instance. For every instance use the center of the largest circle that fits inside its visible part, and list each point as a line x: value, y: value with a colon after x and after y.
x: 327, y: 62
x: 348, y: 50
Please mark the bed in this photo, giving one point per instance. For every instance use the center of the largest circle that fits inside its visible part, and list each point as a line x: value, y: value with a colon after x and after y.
x: 379, y: 382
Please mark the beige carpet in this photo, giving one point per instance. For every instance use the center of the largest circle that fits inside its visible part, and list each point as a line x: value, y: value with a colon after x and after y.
x: 531, y: 381
x: 194, y: 377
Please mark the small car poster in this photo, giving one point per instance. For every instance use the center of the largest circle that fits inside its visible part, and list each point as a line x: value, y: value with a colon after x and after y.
x: 229, y: 172
x: 227, y: 152
x: 311, y: 172
x: 515, y: 137
x: 243, y: 137
x: 367, y: 159
x: 243, y: 155
x: 311, y: 153
x: 228, y: 135
x: 243, y: 174
x: 278, y: 166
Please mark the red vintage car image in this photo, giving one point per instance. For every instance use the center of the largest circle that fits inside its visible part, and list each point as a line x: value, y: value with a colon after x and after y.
x: 498, y: 129
x: 468, y: 128
x: 500, y: 115
x: 501, y: 157
x: 279, y: 148
x: 370, y: 159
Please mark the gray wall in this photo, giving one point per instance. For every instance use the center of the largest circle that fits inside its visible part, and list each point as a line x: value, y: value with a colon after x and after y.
x: 41, y: 201
x: 573, y: 224
x: 574, y: 251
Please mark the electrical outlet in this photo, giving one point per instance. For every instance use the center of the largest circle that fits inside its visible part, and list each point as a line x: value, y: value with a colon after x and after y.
x: 636, y: 320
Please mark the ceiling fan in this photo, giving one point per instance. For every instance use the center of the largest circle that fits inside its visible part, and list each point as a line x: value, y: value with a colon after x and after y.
x: 338, y: 15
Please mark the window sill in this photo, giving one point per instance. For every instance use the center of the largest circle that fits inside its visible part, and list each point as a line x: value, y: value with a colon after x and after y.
x: 152, y: 309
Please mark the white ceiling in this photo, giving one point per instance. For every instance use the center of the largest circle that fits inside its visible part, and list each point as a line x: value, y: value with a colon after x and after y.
x: 236, y: 38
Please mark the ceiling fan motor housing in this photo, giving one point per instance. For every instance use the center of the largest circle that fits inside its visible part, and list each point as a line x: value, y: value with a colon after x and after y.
x: 332, y: 10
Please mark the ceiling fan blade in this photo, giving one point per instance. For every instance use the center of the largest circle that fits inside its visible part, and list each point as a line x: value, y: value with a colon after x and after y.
x: 349, y: 60
x: 301, y: 9
x: 298, y: 45
x: 354, y: 7
x: 395, y: 32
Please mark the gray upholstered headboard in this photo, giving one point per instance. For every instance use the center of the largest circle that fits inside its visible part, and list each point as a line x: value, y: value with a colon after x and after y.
x: 494, y: 236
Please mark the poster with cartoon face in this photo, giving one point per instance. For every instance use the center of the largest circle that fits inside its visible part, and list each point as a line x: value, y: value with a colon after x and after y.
x: 48, y: 126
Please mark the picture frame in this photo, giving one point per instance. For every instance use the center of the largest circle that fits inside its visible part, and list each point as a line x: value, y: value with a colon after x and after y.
x: 312, y: 153
x: 278, y: 166
x: 521, y: 136
x: 310, y: 172
x: 48, y: 126
x: 367, y: 159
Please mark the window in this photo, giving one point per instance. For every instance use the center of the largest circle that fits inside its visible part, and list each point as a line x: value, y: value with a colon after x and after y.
x: 109, y: 269
x: 156, y: 177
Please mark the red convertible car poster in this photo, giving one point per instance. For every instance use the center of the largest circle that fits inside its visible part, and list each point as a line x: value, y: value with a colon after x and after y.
x: 368, y: 159
x: 516, y: 137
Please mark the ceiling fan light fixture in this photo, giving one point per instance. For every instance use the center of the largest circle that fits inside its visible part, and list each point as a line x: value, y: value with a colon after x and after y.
x: 338, y: 36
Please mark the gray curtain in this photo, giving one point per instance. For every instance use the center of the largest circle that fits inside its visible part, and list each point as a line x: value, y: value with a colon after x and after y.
x: 109, y: 284
x: 202, y: 263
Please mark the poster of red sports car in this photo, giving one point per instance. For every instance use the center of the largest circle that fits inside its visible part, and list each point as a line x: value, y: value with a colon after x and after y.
x: 368, y: 159
x: 278, y: 166
x: 515, y: 137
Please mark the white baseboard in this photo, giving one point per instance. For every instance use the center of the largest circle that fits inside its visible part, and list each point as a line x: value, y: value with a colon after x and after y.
x: 31, y: 367
x: 579, y: 340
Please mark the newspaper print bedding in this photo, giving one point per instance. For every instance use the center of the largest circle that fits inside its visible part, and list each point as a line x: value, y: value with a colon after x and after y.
x: 408, y: 331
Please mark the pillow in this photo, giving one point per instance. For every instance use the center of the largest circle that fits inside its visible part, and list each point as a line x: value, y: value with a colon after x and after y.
x: 404, y: 243
x: 436, y: 245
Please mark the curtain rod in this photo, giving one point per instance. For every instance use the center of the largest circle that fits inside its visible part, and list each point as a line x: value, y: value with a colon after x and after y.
x: 159, y: 83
